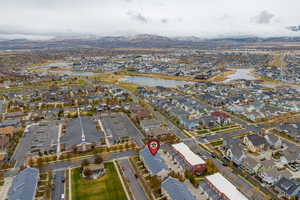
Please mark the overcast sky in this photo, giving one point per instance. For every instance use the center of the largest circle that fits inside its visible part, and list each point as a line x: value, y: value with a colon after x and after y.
x: 42, y: 19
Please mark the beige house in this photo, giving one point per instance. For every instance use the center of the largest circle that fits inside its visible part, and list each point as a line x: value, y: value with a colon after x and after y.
x: 255, y: 143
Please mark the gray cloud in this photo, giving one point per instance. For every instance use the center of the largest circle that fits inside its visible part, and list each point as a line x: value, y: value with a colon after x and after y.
x: 119, y: 17
x: 225, y: 17
x: 137, y: 16
x: 164, y: 20
x: 264, y: 17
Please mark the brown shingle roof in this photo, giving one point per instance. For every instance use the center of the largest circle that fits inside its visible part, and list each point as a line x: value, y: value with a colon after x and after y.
x: 9, y: 130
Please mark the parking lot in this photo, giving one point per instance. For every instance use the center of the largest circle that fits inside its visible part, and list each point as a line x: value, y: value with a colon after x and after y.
x: 37, y: 138
x: 118, y: 127
x: 44, y: 138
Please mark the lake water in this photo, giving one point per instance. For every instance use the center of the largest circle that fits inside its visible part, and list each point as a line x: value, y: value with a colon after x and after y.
x: 240, y: 74
x: 68, y: 66
x: 58, y: 64
x: 274, y: 86
x: 70, y: 73
x: 153, y: 82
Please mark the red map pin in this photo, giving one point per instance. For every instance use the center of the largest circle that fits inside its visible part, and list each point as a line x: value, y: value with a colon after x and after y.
x: 153, y: 146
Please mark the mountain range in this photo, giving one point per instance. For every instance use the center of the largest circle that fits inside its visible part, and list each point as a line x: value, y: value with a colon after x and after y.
x: 294, y: 28
x: 141, y: 40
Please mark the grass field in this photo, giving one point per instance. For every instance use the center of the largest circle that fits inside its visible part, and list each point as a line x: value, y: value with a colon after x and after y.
x: 217, y: 143
x: 222, y: 76
x: 161, y: 76
x: 108, y: 187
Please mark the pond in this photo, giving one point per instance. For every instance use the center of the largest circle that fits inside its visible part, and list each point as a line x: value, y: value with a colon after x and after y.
x: 153, y: 82
x: 57, y: 64
x: 240, y: 74
x: 52, y: 68
x: 275, y: 86
x: 71, y: 73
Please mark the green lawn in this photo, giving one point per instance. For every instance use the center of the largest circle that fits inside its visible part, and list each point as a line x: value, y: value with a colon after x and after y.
x: 108, y: 187
x: 202, y: 131
x: 229, y: 130
x: 217, y: 143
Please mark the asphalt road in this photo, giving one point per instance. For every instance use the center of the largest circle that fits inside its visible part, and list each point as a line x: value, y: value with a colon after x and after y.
x: 61, y: 165
x: 59, y: 185
x: 128, y: 172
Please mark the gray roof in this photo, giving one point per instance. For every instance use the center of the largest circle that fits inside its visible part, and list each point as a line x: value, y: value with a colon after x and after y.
x: 74, y: 129
x: 272, y: 172
x: 273, y: 138
x: 228, y: 141
x: 24, y: 185
x: 292, y: 153
x: 236, y: 150
x: 10, y: 122
x: 287, y: 186
x: 155, y: 164
x: 250, y: 162
x: 257, y: 140
x: 149, y: 123
x: 176, y: 189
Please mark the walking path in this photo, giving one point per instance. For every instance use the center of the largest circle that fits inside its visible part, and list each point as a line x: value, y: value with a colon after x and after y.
x: 4, y: 189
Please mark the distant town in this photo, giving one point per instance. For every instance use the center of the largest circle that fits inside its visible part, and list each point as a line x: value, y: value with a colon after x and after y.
x: 75, y: 122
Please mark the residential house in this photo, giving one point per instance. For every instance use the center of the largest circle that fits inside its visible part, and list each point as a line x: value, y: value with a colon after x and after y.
x: 272, y: 175
x: 189, y: 124
x: 287, y: 188
x: 24, y: 185
x: 155, y: 164
x: 291, y: 154
x: 273, y: 141
x: 176, y: 190
x: 250, y: 165
x: 218, y: 187
x: 267, y: 164
x: 139, y: 113
x: 255, y: 143
x: 148, y: 124
x: 232, y: 150
x: 235, y: 153
x: 158, y: 132
x: 6, y: 134
x: 196, y: 164
x: 3, y: 156
x: 208, y: 121
x: 222, y: 118
x: 291, y: 129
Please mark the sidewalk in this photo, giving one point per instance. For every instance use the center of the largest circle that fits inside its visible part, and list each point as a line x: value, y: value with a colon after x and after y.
x: 121, y: 179
x: 4, y: 189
